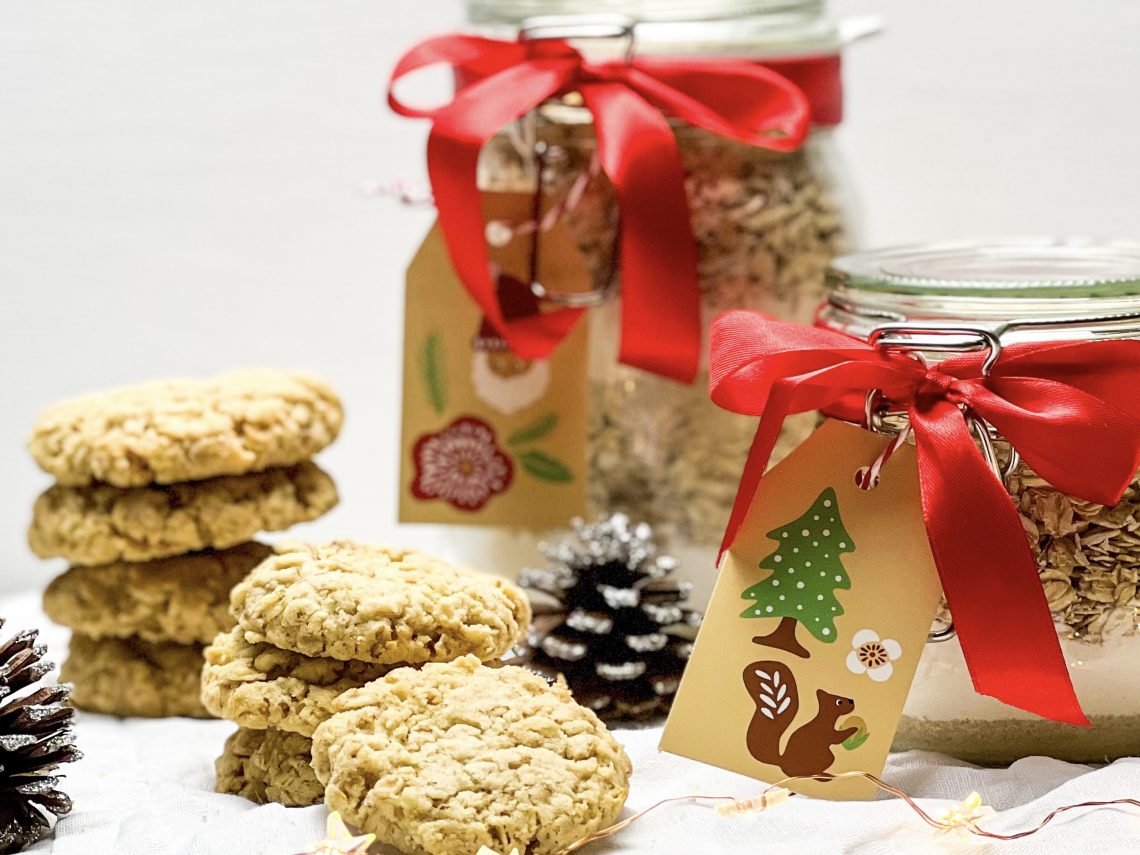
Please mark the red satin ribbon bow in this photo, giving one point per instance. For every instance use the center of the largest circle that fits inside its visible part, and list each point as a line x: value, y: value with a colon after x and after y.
x: 502, y: 80
x: 1069, y: 408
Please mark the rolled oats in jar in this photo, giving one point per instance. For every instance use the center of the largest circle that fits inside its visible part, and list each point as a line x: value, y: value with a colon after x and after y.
x: 766, y: 223
x: 1088, y: 555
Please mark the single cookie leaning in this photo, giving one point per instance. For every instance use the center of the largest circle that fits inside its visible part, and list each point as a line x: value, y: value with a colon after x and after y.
x: 184, y: 599
x: 98, y: 524
x: 355, y: 601
x: 126, y: 676
x: 261, y: 686
x: 187, y: 429
x: 269, y: 766
x: 454, y: 756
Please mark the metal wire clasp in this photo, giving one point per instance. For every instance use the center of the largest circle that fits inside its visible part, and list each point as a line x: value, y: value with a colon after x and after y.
x: 939, y: 338
x: 549, y: 27
x: 913, y: 339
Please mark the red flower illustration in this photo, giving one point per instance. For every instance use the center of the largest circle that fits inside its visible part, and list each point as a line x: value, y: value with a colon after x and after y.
x: 461, y: 465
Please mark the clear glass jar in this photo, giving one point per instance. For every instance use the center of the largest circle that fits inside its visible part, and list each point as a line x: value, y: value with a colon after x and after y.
x: 767, y: 225
x: 1088, y: 555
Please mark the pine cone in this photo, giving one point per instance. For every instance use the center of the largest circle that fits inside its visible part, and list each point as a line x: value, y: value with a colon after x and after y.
x: 35, y: 738
x: 619, y: 634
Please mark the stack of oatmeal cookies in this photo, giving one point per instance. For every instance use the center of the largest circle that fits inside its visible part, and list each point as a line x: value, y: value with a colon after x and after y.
x: 314, y: 621
x: 160, y: 489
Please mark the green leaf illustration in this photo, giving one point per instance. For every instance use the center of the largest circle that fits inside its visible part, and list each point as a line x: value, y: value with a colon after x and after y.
x: 431, y: 362
x: 856, y: 739
x: 545, y: 467
x: 534, y: 431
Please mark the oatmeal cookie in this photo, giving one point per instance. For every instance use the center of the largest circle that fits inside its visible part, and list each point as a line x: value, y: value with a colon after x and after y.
x: 454, y: 756
x: 98, y: 523
x: 269, y: 766
x: 184, y: 599
x: 261, y: 686
x: 127, y: 676
x: 187, y: 429
x: 356, y: 601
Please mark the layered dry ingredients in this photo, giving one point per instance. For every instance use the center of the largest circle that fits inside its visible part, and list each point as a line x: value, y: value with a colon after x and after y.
x: 1088, y: 557
x: 767, y: 226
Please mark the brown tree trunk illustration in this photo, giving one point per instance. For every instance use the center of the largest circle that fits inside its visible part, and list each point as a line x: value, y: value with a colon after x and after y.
x: 784, y: 638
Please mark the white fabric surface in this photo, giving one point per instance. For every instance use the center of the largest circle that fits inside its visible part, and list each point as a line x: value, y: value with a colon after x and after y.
x: 146, y: 788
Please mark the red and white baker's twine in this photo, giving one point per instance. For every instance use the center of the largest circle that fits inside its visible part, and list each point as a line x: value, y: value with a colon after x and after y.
x: 498, y: 232
x: 404, y: 190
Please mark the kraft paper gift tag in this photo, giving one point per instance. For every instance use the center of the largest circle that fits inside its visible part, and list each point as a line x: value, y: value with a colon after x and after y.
x: 490, y: 438
x: 819, y: 616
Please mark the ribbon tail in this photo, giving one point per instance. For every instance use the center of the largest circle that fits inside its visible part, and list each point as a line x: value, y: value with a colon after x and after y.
x: 988, y: 573
x: 775, y: 410
x: 660, y: 301
x: 453, y: 150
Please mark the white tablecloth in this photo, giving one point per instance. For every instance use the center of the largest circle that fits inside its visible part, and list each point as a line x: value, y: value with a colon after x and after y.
x: 146, y: 788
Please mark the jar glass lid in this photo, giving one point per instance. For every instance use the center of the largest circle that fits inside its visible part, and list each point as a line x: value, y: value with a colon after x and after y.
x: 511, y: 11
x: 704, y: 28
x: 1028, y: 269
x: 1029, y: 289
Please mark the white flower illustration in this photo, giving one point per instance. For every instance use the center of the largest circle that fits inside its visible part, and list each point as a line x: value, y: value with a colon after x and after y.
x: 508, y: 383
x: 872, y: 655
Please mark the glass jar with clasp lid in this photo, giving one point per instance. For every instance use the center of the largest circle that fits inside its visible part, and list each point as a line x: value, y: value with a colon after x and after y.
x: 940, y: 299
x: 766, y: 224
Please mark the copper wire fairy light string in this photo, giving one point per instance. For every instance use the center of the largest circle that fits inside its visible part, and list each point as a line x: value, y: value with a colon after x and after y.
x: 777, y: 793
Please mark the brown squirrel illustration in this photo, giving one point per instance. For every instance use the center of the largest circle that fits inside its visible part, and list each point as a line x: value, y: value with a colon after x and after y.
x: 772, y: 687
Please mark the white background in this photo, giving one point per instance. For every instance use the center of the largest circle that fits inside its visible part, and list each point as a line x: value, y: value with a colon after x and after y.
x: 179, y: 188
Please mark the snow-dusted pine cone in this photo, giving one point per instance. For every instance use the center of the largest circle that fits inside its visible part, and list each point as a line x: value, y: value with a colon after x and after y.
x: 619, y: 633
x: 35, y: 738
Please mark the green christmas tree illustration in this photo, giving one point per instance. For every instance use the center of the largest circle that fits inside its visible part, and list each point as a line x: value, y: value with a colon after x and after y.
x: 806, y: 572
